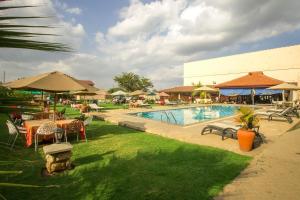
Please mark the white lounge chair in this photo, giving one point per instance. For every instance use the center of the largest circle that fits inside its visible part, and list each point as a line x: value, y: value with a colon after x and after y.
x: 140, y: 103
x: 167, y: 102
x: 94, y: 106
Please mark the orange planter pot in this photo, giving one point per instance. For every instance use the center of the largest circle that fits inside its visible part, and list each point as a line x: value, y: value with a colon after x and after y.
x: 245, y: 138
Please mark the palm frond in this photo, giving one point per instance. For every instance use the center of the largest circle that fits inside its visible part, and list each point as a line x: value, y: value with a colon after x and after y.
x: 31, y: 44
x: 16, y: 36
x: 13, y: 17
x: 12, y: 7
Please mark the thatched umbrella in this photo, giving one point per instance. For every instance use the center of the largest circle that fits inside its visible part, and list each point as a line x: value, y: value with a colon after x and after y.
x: 137, y: 93
x: 53, y: 82
x: 118, y: 93
x: 89, y: 90
x: 205, y: 89
x: 283, y: 87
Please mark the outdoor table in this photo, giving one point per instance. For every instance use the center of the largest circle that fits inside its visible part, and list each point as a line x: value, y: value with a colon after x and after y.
x: 32, y: 126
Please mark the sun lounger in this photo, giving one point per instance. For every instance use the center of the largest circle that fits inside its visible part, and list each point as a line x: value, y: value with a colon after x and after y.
x: 283, y: 114
x: 227, y: 128
x: 142, y: 104
x: 167, y: 102
x: 94, y: 106
x: 223, y: 128
x: 294, y: 111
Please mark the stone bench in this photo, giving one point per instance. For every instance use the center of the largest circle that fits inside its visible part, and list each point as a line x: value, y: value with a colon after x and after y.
x: 58, y: 157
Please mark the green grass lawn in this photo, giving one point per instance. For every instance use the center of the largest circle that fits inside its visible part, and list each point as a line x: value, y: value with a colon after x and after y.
x: 110, y: 106
x: 120, y: 163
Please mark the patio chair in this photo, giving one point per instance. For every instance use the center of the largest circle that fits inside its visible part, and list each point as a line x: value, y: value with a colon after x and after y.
x: 14, y: 131
x: 46, y: 129
x: 74, y: 128
x: 88, y: 120
x: 94, y: 106
x: 283, y: 114
x: 15, y: 120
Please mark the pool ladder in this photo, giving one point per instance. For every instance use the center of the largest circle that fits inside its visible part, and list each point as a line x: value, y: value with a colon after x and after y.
x: 168, y: 117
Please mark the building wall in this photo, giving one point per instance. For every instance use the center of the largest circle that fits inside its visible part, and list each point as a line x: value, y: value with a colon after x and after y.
x: 281, y: 63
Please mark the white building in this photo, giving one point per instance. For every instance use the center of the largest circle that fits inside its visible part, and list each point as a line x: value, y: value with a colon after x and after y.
x: 280, y: 63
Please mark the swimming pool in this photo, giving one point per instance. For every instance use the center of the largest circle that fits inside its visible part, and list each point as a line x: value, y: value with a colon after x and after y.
x: 186, y: 116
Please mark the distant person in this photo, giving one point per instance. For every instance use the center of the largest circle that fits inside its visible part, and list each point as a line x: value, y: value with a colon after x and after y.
x: 217, y: 99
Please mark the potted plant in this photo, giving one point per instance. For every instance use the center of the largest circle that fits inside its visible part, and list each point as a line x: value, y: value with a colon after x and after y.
x: 246, y: 134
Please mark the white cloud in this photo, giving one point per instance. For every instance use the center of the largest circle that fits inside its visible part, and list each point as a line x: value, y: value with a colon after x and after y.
x: 155, y: 39
x: 76, y: 11
x: 66, y: 8
x: 158, y: 37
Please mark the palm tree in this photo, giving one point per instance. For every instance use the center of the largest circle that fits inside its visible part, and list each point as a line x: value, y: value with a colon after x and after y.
x: 15, y: 36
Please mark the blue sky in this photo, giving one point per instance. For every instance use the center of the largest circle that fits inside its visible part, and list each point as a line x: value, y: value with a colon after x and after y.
x: 95, y: 15
x: 152, y: 38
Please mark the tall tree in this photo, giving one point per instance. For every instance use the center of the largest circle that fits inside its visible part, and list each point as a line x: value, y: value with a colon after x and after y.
x: 16, y: 36
x: 131, y: 82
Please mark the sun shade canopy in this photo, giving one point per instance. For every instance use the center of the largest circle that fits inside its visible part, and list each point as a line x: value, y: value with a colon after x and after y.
x: 251, y: 80
x: 179, y: 89
x: 137, y: 93
x: 206, y: 89
x: 89, y: 90
x: 284, y: 86
x: 247, y: 91
x: 119, y: 93
x: 50, y: 82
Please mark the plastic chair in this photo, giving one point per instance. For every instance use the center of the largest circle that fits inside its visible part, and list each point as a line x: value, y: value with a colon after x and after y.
x: 88, y: 120
x: 73, y: 128
x: 13, y: 132
x: 46, y: 129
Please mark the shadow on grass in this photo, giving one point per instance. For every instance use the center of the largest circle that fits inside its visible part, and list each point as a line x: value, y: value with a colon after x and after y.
x: 91, y: 158
x: 99, y: 129
x: 186, y: 173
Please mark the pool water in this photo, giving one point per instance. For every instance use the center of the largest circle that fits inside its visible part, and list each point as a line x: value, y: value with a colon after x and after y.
x: 186, y: 116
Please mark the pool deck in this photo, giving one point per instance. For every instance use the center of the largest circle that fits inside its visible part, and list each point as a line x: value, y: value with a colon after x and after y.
x: 271, y: 130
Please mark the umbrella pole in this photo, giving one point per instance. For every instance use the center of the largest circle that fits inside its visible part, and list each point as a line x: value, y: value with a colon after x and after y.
x: 54, y: 107
x: 283, y: 99
x: 42, y: 101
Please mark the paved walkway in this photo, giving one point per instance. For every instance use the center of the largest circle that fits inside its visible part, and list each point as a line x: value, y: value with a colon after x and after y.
x: 274, y: 174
